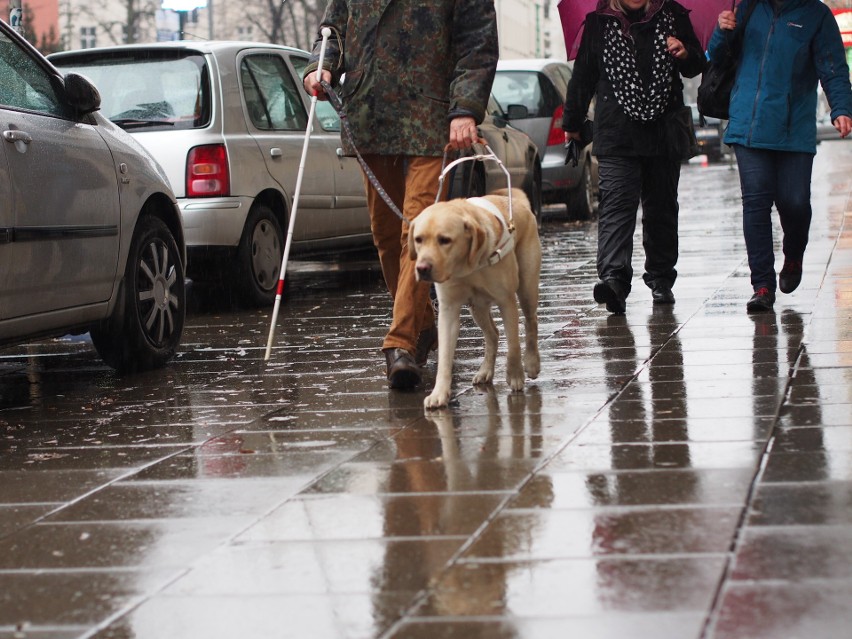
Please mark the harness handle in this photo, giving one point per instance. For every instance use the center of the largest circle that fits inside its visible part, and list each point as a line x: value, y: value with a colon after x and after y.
x: 488, y: 155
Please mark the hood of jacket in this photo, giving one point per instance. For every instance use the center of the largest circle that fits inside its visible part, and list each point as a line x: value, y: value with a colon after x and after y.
x: 651, y: 9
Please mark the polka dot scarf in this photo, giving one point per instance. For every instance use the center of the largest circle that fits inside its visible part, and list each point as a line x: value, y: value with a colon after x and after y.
x: 641, y: 100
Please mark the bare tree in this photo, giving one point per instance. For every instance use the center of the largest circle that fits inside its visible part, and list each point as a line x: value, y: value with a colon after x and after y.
x: 126, y: 22
x: 292, y: 22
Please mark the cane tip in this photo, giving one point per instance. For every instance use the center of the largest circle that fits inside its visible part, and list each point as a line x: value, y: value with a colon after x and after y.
x: 326, y: 32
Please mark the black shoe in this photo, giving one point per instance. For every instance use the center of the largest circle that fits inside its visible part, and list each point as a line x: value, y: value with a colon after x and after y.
x: 662, y: 294
x: 790, y: 276
x: 403, y: 372
x: 611, y: 293
x: 761, y: 301
x: 427, y: 341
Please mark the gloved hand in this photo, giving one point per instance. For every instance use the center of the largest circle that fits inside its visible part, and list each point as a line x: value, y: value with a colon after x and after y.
x: 572, y: 152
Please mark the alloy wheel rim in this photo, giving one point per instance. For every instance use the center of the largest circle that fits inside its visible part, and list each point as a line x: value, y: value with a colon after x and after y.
x: 265, y: 255
x: 156, y: 298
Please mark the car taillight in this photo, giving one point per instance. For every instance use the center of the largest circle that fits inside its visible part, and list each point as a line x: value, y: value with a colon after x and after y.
x: 207, y: 171
x: 556, y: 135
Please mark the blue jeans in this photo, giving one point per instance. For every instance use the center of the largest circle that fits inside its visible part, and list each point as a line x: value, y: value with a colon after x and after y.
x: 781, y: 178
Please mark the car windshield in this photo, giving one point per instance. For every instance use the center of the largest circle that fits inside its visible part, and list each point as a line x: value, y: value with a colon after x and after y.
x: 148, y: 90
x: 521, y: 87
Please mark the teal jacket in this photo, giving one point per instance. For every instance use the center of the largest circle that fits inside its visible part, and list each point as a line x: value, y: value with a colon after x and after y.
x: 783, y: 56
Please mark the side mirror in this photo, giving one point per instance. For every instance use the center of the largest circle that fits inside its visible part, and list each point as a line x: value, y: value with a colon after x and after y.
x: 82, y: 95
x: 517, y: 112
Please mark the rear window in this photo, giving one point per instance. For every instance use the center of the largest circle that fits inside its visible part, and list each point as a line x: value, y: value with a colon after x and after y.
x: 528, y: 88
x: 145, y: 89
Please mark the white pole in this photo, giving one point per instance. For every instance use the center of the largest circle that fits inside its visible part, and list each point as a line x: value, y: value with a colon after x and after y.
x: 326, y: 32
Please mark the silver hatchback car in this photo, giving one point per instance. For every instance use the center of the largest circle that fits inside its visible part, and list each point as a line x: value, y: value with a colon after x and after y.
x: 90, y: 232
x: 227, y: 121
x: 532, y: 92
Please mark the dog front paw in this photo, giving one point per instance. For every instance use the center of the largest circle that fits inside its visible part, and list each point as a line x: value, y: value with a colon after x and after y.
x: 515, y: 379
x: 438, y: 399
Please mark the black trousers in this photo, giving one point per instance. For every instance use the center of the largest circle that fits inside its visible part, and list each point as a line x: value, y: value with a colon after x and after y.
x: 624, y: 183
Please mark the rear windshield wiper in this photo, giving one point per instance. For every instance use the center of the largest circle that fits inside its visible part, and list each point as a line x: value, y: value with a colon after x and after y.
x: 132, y: 123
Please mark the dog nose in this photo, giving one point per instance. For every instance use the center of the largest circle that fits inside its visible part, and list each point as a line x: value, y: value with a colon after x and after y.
x: 424, y: 272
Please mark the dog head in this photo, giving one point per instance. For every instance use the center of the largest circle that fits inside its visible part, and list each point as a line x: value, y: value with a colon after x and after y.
x: 447, y: 240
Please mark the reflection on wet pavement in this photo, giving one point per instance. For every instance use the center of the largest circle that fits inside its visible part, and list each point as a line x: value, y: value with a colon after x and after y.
x: 675, y: 472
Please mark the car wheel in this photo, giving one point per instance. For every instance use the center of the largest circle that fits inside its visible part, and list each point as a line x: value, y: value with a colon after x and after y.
x: 472, y: 181
x: 259, y: 257
x: 582, y: 198
x: 147, y: 324
x: 533, y: 191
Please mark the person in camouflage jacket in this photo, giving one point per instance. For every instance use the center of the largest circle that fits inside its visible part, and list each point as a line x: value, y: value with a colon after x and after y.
x: 416, y: 77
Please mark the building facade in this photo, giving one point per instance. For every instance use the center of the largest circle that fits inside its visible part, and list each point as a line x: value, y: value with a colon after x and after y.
x: 527, y: 28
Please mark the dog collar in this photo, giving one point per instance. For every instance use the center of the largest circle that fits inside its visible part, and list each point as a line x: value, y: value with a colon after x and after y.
x: 507, y: 239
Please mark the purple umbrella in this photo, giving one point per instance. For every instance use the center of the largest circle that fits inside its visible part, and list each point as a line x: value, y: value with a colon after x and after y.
x: 704, y: 15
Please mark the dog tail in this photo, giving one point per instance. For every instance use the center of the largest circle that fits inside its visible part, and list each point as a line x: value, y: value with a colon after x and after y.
x: 517, y: 196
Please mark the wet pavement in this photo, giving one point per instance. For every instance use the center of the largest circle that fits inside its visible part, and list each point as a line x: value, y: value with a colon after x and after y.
x: 675, y: 472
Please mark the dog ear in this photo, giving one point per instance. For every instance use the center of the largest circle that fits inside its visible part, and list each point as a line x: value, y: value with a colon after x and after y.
x: 412, y: 252
x: 478, y: 241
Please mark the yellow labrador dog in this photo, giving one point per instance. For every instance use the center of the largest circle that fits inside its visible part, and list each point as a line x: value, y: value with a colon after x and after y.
x: 476, y: 255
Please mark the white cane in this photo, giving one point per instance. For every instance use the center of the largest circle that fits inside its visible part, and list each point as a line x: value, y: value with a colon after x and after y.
x: 326, y: 32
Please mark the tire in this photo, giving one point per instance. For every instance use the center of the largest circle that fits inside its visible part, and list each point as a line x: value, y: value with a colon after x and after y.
x: 533, y: 191
x: 259, y: 257
x: 582, y: 200
x: 147, y: 324
x: 472, y: 181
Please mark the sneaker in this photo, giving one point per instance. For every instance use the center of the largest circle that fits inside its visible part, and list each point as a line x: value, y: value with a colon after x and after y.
x: 761, y: 301
x: 611, y: 293
x: 790, y: 276
x: 403, y: 371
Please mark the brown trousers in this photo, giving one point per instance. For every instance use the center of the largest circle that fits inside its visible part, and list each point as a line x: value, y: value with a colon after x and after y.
x: 412, y: 183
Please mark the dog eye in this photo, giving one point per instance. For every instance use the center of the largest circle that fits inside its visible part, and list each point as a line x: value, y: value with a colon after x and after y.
x: 444, y: 240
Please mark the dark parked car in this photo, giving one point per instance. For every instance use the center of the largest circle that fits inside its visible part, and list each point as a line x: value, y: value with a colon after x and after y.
x: 532, y: 92
x: 90, y: 233
x: 709, y: 133
x: 227, y: 122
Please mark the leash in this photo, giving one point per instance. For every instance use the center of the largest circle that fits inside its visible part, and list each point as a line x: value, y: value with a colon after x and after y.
x: 337, y: 104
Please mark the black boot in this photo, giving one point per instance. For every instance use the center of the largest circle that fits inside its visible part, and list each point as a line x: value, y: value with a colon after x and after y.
x: 613, y: 294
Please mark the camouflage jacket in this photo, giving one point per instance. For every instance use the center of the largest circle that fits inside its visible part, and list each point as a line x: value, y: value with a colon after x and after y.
x: 410, y: 66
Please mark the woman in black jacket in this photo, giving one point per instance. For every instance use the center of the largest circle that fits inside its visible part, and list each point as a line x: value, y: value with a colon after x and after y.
x: 630, y: 60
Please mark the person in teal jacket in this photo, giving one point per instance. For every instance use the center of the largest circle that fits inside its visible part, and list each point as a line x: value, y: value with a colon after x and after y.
x: 789, y: 47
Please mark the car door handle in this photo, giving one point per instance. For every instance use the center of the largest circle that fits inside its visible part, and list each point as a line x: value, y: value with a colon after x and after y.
x: 17, y: 136
x: 275, y: 152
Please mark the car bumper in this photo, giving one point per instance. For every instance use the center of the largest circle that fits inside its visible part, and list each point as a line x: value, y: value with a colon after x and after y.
x: 557, y: 177
x: 709, y: 142
x: 214, y: 221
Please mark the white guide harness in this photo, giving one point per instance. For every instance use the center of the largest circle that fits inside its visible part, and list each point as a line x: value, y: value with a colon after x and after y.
x: 507, y: 239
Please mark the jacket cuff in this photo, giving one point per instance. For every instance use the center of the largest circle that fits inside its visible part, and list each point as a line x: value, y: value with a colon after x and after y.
x: 459, y: 108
